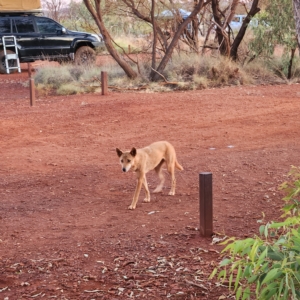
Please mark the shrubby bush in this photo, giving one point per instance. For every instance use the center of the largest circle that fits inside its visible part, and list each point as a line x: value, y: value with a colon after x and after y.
x: 184, y: 72
x: 267, y: 266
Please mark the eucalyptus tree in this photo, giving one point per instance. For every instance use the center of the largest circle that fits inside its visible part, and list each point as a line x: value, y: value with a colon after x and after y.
x: 146, y: 11
x: 296, y: 4
x: 275, y: 27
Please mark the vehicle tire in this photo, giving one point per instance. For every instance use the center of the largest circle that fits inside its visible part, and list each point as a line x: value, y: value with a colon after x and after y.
x: 85, y: 55
x: 11, y: 62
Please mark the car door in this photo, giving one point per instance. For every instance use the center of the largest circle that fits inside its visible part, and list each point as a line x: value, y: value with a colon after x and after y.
x: 53, y: 41
x: 27, y: 37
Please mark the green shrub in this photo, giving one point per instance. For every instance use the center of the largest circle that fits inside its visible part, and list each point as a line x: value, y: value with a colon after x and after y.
x: 267, y: 267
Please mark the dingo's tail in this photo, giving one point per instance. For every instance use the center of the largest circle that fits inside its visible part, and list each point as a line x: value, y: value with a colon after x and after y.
x: 178, y: 166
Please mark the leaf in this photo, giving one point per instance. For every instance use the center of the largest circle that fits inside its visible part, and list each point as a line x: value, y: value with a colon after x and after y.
x: 247, y: 271
x: 225, y: 262
x: 214, y: 272
x: 262, y: 256
x: 246, y: 294
x: 292, y: 285
x: 274, y: 273
x: 262, y: 229
x: 222, y: 274
x: 230, y: 280
x: 238, y: 293
x: 280, y: 287
x: 253, y: 251
x: 252, y: 278
x: 238, y: 276
x: 278, y: 225
x: 277, y: 256
x: 269, y: 291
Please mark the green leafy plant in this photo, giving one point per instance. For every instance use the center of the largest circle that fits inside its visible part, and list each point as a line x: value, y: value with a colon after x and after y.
x: 267, y: 266
x: 270, y: 32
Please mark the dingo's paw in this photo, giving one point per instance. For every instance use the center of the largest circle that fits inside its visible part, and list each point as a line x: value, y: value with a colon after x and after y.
x: 146, y: 200
x: 131, y: 207
x: 171, y: 193
x: 157, y: 190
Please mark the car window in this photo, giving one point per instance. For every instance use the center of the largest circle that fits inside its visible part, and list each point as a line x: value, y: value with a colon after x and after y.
x: 47, y: 26
x: 5, y: 25
x: 23, y: 25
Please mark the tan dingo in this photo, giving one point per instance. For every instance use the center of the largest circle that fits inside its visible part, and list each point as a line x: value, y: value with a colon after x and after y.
x: 146, y: 159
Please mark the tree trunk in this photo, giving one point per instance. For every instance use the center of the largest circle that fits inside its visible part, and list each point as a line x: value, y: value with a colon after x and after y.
x: 291, y: 63
x: 221, y: 33
x: 296, y: 4
x: 233, y: 7
x: 154, y: 35
x: 195, y: 26
x: 96, y: 13
x: 174, y: 42
x: 237, y: 41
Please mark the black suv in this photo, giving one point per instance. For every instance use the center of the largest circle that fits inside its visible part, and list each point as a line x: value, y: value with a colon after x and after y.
x: 41, y: 38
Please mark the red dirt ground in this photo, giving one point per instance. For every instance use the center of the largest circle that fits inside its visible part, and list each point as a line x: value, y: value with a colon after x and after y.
x: 66, y: 232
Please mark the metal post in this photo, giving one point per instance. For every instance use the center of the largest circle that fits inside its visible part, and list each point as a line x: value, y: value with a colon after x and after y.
x: 104, y: 83
x: 32, y: 92
x: 206, y: 204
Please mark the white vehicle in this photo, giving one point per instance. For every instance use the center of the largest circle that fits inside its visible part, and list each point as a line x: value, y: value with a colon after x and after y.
x: 237, y: 22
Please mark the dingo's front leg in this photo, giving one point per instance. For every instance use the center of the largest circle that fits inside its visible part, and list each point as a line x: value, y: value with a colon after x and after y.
x: 137, y: 192
x: 147, y: 199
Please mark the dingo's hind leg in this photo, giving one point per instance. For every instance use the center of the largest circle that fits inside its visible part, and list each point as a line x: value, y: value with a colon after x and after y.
x: 171, y: 170
x: 158, y: 170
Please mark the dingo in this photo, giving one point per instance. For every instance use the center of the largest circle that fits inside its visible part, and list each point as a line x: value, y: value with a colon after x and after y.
x: 146, y: 159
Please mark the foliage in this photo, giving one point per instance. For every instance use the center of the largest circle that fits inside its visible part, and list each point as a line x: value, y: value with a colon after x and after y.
x: 268, y: 267
x: 118, y: 21
x: 53, y: 76
x: 185, y: 71
x: 270, y: 31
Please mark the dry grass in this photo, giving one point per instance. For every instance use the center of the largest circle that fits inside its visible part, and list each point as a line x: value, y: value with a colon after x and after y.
x: 184, y: 72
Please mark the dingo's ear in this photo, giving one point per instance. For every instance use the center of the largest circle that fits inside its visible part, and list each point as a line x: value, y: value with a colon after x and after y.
x: 119, y: 152
x: 133, y: 152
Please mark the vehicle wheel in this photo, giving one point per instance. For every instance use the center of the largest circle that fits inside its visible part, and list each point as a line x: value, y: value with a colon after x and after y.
x: 85, y: 56
x: 11, y: 62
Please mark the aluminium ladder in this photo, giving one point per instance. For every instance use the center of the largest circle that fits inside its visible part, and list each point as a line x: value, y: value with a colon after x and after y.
x: 9, y: 42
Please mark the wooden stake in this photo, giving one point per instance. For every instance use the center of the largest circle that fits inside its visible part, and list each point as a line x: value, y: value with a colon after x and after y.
x: 206, y: 204
x: 29, y: 70
x: 104, y: 83
x: 32, y: 91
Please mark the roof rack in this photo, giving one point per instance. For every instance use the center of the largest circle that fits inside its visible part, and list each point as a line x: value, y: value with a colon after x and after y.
x: 20, y: 12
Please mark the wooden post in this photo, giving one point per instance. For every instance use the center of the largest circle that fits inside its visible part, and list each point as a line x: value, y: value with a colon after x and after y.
x: 104, y: 83
x: 129, y: 49
x: 32, y: 91
x: 29, y: 70
x: 206, y: 204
